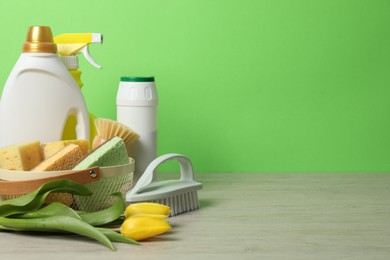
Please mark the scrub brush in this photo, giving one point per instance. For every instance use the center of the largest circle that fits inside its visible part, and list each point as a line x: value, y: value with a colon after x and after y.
x: 180, y: 195
x: 107, y: 128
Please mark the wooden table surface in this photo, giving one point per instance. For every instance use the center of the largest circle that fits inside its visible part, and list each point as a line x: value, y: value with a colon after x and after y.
x: 251, y: 216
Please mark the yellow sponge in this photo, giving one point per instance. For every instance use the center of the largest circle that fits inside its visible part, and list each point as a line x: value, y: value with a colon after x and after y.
x: 21, y: 157
x: 52, y: 147
x: 64, y: 159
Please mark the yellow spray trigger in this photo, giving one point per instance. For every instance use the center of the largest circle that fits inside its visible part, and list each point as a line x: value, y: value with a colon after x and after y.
x: 70, y: 44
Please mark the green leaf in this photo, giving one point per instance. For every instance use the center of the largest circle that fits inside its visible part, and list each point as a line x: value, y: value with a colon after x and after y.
x: 57, y: 223
x: 2, y: 228
x: 34, y: 204
x: 105, y: 216
x: 34, y: 200
x: 51, y: 210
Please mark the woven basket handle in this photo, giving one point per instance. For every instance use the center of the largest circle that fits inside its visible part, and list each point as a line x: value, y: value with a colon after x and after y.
x: 25, y: 186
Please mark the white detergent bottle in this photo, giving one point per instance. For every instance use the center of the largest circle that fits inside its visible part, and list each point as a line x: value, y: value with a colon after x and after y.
x: 40, y: 94
x: 137, y: 102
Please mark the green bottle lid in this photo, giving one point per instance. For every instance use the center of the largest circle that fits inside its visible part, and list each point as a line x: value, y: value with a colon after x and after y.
x: 137, y: 79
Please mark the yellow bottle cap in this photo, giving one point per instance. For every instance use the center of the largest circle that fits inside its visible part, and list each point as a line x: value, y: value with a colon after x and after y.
x: 39, y: 39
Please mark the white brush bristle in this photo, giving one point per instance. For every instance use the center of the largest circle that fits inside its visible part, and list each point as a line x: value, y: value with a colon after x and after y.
x: 181, y: 203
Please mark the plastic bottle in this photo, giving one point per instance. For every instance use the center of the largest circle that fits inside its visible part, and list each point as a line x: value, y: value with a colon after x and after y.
x: 40, y: 94
x: 137, y: 102
x: 69, y: 45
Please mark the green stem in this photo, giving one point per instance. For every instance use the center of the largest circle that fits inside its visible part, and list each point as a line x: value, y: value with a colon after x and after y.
x: 116, y: 237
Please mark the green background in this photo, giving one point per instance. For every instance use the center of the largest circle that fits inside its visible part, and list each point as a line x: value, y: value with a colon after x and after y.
x: 244, y: 86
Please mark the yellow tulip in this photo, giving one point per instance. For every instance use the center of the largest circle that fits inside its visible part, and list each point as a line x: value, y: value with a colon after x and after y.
x: 147, y: 209
x: 149, y: 215
x: 143, y: 227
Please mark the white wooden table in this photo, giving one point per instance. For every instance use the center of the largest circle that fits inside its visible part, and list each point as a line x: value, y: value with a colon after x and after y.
x: 252, y: 216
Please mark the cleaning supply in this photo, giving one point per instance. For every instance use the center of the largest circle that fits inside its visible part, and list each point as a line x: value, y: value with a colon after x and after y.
x: 113, y: 152
x: 107, y: 128
x: 180, y: 195
x: 137, y: 102
x: 40, y: 95
x: 48, y: 149
x: 21, y: 156
x: 64, y: 159
x: 69, y: 45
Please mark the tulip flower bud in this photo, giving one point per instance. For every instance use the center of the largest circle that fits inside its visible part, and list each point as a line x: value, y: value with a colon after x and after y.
x: 142, y: 227
x: 147, y: 209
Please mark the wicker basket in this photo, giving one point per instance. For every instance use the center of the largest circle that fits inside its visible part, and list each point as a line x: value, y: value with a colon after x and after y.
x: 101, y: 181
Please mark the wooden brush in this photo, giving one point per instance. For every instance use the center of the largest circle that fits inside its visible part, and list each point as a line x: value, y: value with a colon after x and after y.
x: 107, y: 128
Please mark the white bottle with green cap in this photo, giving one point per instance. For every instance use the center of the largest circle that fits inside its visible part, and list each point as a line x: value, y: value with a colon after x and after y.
x: 137, y: 102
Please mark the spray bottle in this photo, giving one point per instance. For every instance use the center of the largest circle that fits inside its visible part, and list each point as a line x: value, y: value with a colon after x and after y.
x: 40, y: 95
x: 69, y: 45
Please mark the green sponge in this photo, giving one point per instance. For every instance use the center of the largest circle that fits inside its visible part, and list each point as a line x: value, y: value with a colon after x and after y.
x: 111, y: 153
